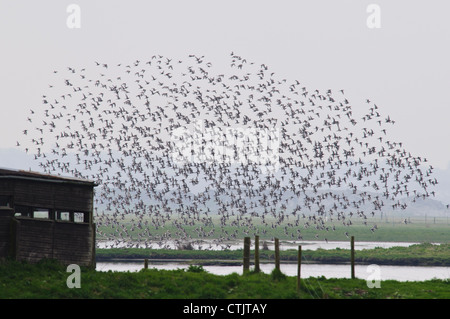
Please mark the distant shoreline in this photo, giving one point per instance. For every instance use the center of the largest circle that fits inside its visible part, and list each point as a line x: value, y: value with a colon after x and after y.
x: 415, y: 255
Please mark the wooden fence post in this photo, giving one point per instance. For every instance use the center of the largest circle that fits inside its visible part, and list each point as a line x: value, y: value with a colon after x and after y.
x: 257, y: 268
x: 277, y: 254
x: 246, y: 254
x: 299, y: 264
x: 145, y: 263
x: 352, y: 256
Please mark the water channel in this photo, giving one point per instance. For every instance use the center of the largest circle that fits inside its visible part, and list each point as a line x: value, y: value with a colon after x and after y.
x: 400, y: 273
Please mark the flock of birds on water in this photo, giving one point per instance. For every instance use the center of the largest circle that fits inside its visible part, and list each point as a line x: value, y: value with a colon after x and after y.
x: 181, y: 151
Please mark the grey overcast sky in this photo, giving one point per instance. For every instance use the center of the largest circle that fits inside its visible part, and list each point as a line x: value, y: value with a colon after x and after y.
x: 403, y: 66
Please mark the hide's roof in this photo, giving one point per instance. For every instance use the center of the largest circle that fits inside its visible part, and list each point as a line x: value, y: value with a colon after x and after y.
x: 21, y: 174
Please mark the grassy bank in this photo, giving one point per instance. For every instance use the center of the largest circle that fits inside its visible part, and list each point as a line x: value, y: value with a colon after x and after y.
x: 47, y: 279
x: 415, y: 255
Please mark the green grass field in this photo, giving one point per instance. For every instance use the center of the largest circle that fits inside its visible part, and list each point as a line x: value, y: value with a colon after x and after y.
x: 48, y: 279
x: 417, y: 230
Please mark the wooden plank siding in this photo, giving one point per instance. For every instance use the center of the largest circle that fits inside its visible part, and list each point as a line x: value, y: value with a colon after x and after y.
x: 48, y: 195
x: 5, y: 241
x: 70, y: 243
x: 34, y: 194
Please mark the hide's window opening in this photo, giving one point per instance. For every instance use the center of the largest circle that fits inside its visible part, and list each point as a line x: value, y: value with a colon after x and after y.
x: 5, y: 201
x: 78, y: 217
x: 41, y: 213
x: 45, y: 213
x: 23, y: 211
x: 63, y: 215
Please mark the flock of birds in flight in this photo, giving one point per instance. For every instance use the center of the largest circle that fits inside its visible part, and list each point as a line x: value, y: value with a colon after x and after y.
x: 115, y: 124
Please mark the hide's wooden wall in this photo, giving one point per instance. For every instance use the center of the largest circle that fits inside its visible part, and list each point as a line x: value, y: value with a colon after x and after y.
x: 70, y: 243
x: 5, y: 225
x: 31, y: 239
x: 62, y: 196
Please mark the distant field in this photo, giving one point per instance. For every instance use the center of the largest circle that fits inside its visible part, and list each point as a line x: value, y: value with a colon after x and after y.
x: 433, y: 229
